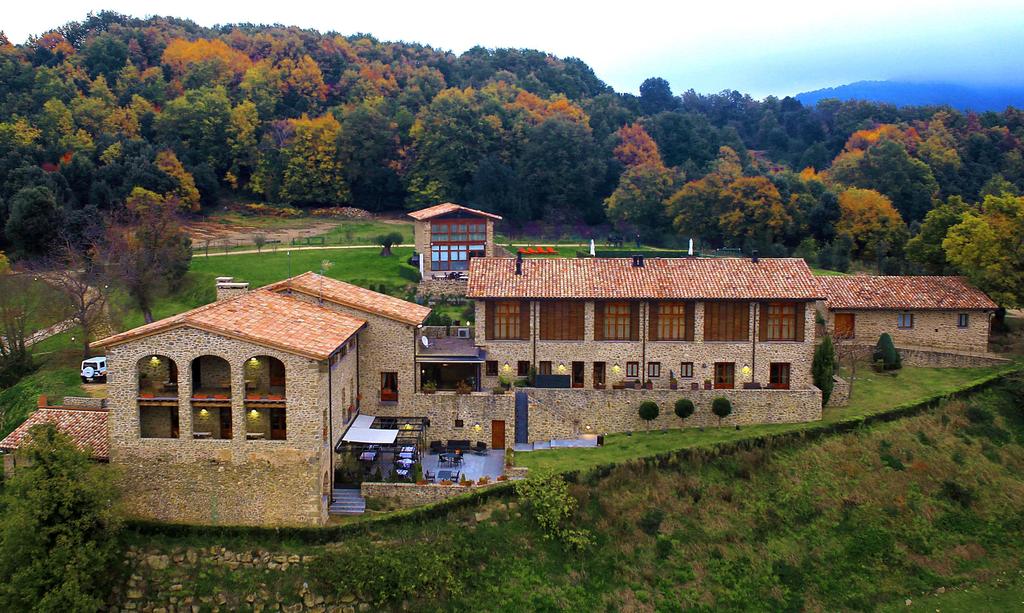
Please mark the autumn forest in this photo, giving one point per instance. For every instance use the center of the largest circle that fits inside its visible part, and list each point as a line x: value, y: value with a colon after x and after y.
x: 113, y: 117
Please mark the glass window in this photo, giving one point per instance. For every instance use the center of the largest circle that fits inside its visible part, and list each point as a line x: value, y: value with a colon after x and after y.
x: 599, y: 373
x: 506, y: 319
x: 686, y: 370
x: 389, y: 386
x: 674, y: 321
x: 962, y: 320
x: 653, y: 369
x: 633, y: 369
x: 522, y: 368
x: 905, y: 321
x: 492, y: 368
x: 545, y: 368
x: 617, y: 316
x: 778, y: 376
x: 781, y: 324
x: 725, y: 375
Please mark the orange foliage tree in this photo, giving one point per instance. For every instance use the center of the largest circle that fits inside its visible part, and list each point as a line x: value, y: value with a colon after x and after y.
x: 868, y: 218
x: 636, y: 146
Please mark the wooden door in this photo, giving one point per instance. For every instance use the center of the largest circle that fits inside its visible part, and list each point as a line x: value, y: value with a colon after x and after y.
x: 498, y: 434
x: 845, y: 325
x: 278, y: 425
x: 225, y: 422
x: 577, y: 374
x: 276, y: 373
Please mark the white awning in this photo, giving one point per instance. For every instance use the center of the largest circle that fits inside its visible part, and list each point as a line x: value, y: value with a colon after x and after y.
x: 361, y: 432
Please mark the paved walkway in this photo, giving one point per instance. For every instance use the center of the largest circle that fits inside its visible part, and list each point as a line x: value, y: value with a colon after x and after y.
x: 586, y: 440
x: 347, y: 501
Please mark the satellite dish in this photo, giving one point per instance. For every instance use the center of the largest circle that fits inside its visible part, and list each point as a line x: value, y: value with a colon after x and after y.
x: 425, y: 341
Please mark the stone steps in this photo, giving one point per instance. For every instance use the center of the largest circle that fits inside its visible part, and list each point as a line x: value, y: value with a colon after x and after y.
x: 347, y: 501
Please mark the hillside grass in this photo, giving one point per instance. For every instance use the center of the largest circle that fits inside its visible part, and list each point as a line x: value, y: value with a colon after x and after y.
x: 872, y: 393
x: 19, y: 400
x: 850, y: 522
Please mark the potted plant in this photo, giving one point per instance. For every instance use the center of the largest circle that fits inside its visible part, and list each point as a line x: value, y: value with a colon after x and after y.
x: 446, y: 482
x: 621, y: 385
x: 694, y: 385
x: 707, y: 384
x: 463, y: 388
x: 498, y: 390
x: 648, y: 384
x: 429, y: 387
x: 502, y: 478
x: 504, y: 382
x: 673, y: 383
x: 636, y: 384
x: 483, y: 480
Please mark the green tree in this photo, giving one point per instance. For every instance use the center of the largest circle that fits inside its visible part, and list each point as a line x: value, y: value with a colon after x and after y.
x: 886, y: 353
x: 886, y: 167
x: 684, y: 408
x: 59, y: 534
x: 313, y: 172
x: 721, y: 407
x: 34, y: 222
x: 986, y: 246
x: 386, y: 241
x: 823, y: 367
x: 648, y: 411
x: 559, y: 168
x: 638, y: 201
x: 925, y: 248
x: 196, y: 125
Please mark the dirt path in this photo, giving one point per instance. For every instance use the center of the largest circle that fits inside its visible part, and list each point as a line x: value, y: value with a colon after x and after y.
x: 220, y: 234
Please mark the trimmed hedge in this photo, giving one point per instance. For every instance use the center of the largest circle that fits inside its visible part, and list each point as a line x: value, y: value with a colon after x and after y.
x: 675, y: 458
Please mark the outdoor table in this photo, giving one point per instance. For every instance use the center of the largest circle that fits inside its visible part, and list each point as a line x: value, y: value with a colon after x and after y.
x: 408, y: 449
x: 402, y: 472
x: 444, y: 475
x: 406, y: 455
x: 404, y: 462
x: 368, y: 456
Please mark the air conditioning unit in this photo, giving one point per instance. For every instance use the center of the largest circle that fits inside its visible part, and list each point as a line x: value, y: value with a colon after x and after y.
x: 462, y: 332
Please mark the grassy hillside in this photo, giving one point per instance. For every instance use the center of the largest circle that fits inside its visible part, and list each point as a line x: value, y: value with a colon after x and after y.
x: 17, y: 401
x: 852, y: 522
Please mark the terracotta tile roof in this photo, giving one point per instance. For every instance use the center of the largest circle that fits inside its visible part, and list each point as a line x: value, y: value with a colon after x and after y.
x: 264, y: 318
x: 448, y: 207
x: 354, y: 297
x: 668, y: 278
x: 919, y: 293
x: 86, y: 427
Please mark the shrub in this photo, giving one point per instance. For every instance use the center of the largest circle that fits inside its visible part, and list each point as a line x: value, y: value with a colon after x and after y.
x: 885, y: 351
x: 59, y: 532
x: 684, y: 408
x: 650, y: 521
x: 721, y: 407
x: 957, y: 493
x: 386, y: 241
x: 663, y: 546
x: 823, y: 367
x: 648, y: 411
x: 552, y: 506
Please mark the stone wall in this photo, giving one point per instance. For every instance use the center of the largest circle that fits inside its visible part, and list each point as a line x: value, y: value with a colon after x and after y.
x: 234, y: 481
x: 421, y: 238
x: 948, y: 359
x: 840, y: 396
x: 446, y: 409
x: 932, y: 329
x: 84, y: 402
x: 566, y: 414
x: 670, y: 354
x: 407, y: 495
x: 441, y: 287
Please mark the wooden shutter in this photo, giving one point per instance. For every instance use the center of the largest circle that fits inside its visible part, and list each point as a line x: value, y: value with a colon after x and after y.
x: 762, y: 321
x: 690, y: 306
x: 652, y: 321
x: 598, y: 321
x: 800, y: 313
x: 634, y: 321
x: 743, y: 321
x: 524, y: 320
x: 489, y: 316
x: 708, y: 314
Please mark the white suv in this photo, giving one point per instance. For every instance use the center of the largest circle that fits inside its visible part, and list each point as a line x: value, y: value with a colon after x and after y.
x: 94, y: 369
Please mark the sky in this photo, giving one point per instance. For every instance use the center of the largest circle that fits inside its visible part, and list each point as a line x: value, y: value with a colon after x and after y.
x: 762, y: 48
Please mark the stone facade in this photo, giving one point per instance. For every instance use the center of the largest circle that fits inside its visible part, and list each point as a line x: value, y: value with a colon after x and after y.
x: 441, y: 287
x: 421, y: 238
x: 223, y: 481
x: 840, y: 392
x: 932, y: 329
x: 757, y: 356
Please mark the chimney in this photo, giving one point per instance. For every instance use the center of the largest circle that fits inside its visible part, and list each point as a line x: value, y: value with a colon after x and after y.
x: 753, y: 256
x: 227, y: 287
x: 519, y: 263
x: 638, y: 261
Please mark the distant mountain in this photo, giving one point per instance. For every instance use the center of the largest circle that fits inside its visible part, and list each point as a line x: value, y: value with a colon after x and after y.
x: 902, y: 93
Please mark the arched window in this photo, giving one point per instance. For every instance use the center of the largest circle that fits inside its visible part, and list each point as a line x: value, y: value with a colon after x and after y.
x: 157, y: 397
x: 211, y: 398
x: 265, y: 393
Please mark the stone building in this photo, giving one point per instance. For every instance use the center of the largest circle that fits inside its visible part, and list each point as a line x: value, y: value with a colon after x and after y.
x: 83, y: 420
x: 447, y: 236
x: 224, y: 414
x: 944, y: 314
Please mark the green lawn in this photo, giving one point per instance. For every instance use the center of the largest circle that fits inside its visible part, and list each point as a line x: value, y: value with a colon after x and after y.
x: 821, y: 272
x: 17, y: 401
x: 973, y: 599
x: 356, y: 232
x: 872, y: 393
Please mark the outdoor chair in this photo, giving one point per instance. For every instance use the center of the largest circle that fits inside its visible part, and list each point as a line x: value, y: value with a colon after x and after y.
x: 443, y: 459
x: 429, y: 476
x: 481, y: 448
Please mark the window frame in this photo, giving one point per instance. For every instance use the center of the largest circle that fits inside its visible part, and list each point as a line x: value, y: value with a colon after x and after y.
x: 562, y: 320
x: 387, y: 394
x: 522, y: 368
x: 544, y: 367
x: 724, y: 382
x: 634, y: 368
x: 491, y: 368
x: 782, y: 371
x: 686, y: 370
x: 507, y: 324
x: 672, y: 321
x: 654, y: 370
x: 963, y: 320
x: 780, y: 321
x: 616, y: 321
x: 600, y: 375
x: 902, y: 319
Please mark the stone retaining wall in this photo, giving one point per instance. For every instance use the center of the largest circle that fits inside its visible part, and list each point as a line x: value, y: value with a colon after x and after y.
x: 442, y: 287
x: 563, y: 414
x: 950, y: 359
x: 413, y: 495
x: 840, y: 392
x: 83, y: 402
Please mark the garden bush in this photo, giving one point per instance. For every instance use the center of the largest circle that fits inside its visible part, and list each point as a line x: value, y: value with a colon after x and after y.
x: 823, y: 368
x: 721, y: 407
x: 648, y: 411
x: 684, y: 408
x: 885, y: 352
